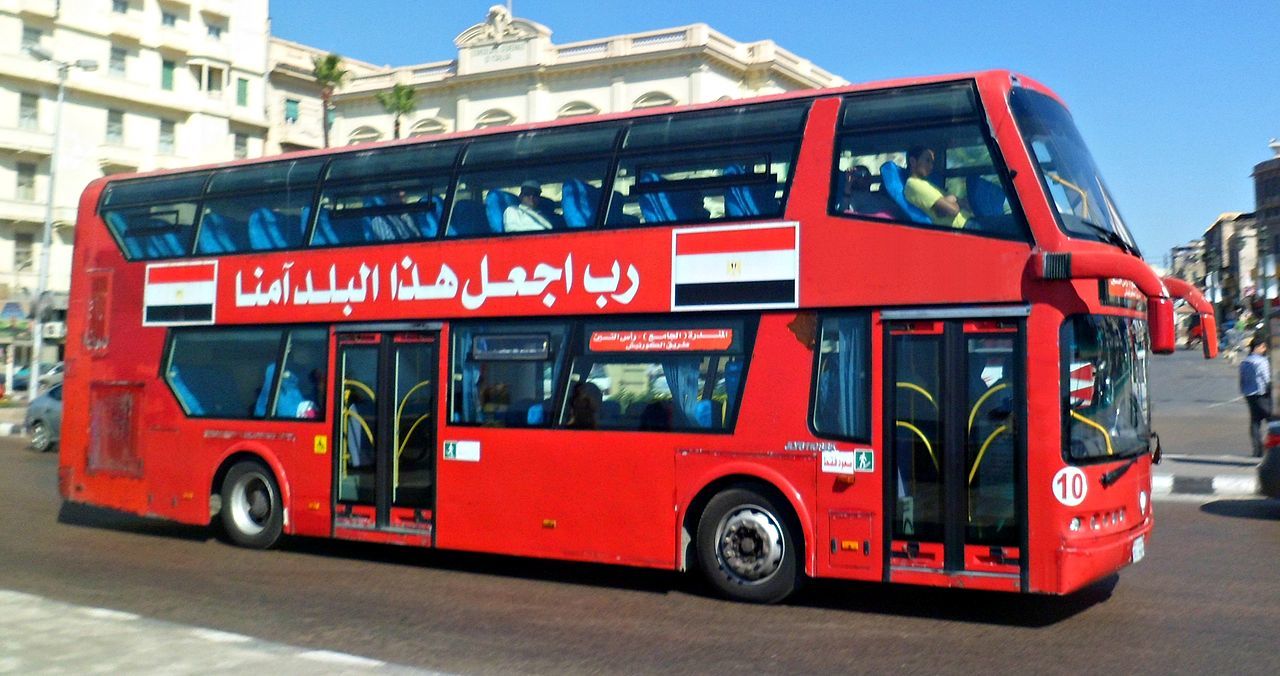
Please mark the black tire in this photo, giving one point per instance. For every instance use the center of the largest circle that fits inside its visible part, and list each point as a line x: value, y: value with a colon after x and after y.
x: 747, y: 547
x: 41, y: 439
x: 252, y: 512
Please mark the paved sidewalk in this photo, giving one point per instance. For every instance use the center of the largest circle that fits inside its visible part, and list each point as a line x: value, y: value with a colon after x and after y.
x: 40, y: 636
x: 11, y: 420
x: 1208, y: 476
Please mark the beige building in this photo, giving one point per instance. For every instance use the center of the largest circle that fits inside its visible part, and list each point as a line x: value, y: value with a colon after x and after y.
x: 177, y: 82
x: 508, y: 71
x: 187, y: 82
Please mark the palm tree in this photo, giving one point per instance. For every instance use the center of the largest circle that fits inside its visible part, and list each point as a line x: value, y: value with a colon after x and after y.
x: 329, y: 74
x: 398, y: 101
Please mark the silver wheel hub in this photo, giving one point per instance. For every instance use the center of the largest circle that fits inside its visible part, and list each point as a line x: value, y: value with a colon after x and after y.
x: 38, y: 435
x: 750, y: 545
x: 251, y: 501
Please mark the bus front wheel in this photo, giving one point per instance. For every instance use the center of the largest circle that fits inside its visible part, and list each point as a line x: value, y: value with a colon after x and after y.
x: 252, y: 512
x: 747, y: 548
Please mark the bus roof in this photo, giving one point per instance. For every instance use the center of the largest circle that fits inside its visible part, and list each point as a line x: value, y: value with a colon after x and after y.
x: 987, y: 75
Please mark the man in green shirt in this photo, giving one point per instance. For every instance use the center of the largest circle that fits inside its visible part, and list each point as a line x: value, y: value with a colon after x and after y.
x: 943, y: 209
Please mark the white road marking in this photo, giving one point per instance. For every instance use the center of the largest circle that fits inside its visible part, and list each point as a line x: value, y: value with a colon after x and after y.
x: 220, y: 636
x: 341, y: 658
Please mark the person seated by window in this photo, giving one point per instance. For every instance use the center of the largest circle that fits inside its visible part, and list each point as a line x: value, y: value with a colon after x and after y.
x: 943, y: 209
x: 856, y: 196
x: 584, y: 406
x: 659, y: 415
x: 525, y: 217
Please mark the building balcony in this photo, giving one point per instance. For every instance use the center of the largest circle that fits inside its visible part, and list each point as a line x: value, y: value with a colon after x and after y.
x: 45, y: 9
x: 119, y: 157
x: 220, y: 8
x: 125, y: 27
x: 22, y: 211
x: 25, y: 142
x: 300, y: 134
x: 169, y: 40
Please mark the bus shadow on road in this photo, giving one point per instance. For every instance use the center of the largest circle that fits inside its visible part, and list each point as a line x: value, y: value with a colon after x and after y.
x: 1249, y: 508
x: 543, y: 570
x: 73, y: 514
x: 971, y: 606
x: 961, y: 605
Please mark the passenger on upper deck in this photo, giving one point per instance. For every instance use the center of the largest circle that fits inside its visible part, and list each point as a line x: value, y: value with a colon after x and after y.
x: 856, y: 196
x: 525, y: 216
x: 943, y: 209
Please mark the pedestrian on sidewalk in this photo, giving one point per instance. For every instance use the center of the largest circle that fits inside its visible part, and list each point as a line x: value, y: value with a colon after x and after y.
x: 1255, y: 385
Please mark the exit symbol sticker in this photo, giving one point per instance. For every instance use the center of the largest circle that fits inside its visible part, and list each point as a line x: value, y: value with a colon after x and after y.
x: 466, y: 451
x: 864, y: 461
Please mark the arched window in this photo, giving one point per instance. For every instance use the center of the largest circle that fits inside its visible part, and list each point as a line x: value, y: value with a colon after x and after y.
x: 653, y: 100
x: 576, y: 108
x: 363, y: 135
x: 427, y: 127
x: 494, y: 118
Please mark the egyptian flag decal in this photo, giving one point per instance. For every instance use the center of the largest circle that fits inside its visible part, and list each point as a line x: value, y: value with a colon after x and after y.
x: 1082, y: 383
x: 180, y: 293
x: 736, y: 266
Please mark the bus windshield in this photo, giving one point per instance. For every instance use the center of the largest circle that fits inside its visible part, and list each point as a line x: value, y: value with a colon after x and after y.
x: 1106, y: 387
x: 1081, y: 200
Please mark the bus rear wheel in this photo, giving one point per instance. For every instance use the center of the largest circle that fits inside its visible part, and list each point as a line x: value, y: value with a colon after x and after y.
x: 747, y: 548
x: 252, y: 512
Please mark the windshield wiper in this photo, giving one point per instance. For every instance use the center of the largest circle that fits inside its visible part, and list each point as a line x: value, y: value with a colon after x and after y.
x: 1114, y: 475
x: 1110, y: 237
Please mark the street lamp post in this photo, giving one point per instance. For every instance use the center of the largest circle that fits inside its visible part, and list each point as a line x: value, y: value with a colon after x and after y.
x: 42, y: 272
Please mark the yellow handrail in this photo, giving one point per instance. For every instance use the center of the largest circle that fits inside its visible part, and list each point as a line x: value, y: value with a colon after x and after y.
x: 983, y: 450
x: 356, y: 383
x: 921, y: 390
x: 1101, y: 430
x: 405, y: 441
x: 1084, y: 196
x: 927, y: 446
x: 974, y: 411
x: 405, y: 399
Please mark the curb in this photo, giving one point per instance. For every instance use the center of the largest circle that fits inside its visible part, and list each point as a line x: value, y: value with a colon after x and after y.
x: 1221, y: 486
x: 11, y: 429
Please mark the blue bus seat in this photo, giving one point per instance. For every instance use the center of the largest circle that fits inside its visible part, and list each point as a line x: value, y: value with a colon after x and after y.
x: 428, y: 221
x: 748, y: 200
x: 668, y: 207
x: 580, y: 201
x: 495, y: 203
x: 894, y: 181
x: 214, y: 235
x: 184, y: 393
x: 985, y: 198
x: 468, y: 218
x: 264, y: 230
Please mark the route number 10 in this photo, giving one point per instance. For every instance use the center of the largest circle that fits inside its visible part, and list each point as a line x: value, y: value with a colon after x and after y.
x: 1070, y: 486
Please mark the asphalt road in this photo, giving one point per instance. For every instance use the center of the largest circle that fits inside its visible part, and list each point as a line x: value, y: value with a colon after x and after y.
x: 1196, y: 406
x: 1206, y: 599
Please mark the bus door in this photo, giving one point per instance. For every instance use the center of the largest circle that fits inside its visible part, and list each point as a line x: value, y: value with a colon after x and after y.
x: 955, y: 394
x: 385, y: 429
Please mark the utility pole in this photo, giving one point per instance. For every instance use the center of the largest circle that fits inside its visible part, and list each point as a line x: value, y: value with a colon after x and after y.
x: 42, y: 272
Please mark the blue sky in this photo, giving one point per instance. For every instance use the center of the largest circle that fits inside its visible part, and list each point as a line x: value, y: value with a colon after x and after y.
x: 1177, y: 99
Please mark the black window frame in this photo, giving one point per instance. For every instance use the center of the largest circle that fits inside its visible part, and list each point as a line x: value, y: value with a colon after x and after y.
x: 285, y: 330
x: 815, y: 374
x: 617, y: 154
x: 978, y: 117
x: 576, y: 334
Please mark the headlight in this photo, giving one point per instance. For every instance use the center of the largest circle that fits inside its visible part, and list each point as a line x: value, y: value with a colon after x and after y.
x: 1142, y: 501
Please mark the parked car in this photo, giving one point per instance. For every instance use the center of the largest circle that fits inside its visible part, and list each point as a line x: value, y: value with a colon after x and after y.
x: 1269, y: 468
x: 22, y: 377
x: 44, y: 419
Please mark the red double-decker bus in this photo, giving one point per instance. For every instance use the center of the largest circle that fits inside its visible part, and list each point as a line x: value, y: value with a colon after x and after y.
x: 891, y: 332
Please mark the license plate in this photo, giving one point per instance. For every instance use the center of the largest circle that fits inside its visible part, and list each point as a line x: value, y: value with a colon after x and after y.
x: 1139, y: 549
